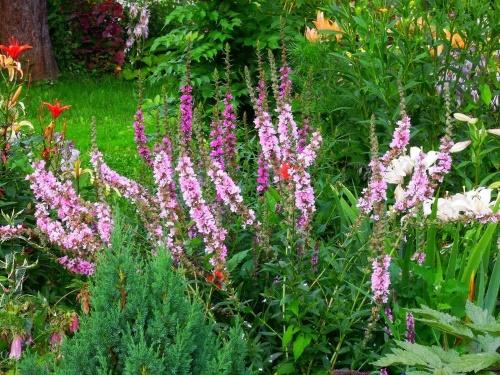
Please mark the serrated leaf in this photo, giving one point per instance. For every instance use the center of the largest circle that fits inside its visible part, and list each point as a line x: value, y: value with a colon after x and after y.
x: 488, y: 343
x: 410, y: 355
x: 236, y: 259
x: 475, y: 362
x: 477, y: 314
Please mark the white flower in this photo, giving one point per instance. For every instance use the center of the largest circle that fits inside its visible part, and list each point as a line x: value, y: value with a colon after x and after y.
x: 465, y: 118
x: 398, y: 170
x: 403, y: 166
x: 474, y: 204
x: 494, y: 131
x: 459, y: 146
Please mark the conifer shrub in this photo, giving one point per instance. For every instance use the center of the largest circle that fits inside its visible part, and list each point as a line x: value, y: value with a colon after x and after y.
x: 143, y: 322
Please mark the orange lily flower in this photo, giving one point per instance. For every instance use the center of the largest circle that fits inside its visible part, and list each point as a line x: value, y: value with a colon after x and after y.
x: 455, y: 39
x: 14, y: 49
x: 56, y: 109
x: 325, y: 24
x: 311, y: 34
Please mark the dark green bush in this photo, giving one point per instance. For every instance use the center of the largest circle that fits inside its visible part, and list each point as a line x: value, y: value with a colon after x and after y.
x: 143, y: 322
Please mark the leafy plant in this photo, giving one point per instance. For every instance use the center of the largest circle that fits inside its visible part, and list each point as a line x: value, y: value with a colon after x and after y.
x: 479, y: 337
x: 142, y: 320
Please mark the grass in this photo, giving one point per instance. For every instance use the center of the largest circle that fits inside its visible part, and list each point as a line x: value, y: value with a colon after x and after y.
x: 112, y: 101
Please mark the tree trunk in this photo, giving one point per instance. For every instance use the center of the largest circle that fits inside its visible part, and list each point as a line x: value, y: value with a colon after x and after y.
x: 27, y: 21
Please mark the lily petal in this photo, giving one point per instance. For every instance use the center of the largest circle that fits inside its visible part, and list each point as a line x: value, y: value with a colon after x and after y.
x: 460, y: 146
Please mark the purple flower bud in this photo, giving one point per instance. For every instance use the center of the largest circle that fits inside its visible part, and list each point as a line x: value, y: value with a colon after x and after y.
x: 410, y: 328
x: 16, y: 347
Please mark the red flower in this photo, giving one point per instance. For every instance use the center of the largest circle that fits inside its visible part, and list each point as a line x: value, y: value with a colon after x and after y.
x: 285, y: 171
x: 14, y: 49
x: 216, y: 278
x: 56, y: 109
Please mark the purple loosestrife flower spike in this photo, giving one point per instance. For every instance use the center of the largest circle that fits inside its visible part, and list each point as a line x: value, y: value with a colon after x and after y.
x: 400, y: 140
x: 230, y: 193
x: 410, y: 328
x: 80, y: 228
x: 304, y: 132
x: 217, y: 142
x: 140, y: 137
x: 376, y: 192
x: 262, y: 174
x: 16, y: 347
x: 147, y: 205
x: 166, y: 196
x: 201, y: 213
x: 285, y: 88
x: 186, y: 113
x: 381, y: 280
x: 229, y: 127
x: 77, y: 265
x: 443, y: 163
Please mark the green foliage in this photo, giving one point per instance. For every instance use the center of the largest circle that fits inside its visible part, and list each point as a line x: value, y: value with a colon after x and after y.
x: 381, y: 43
x: 142, y: 321
x: 482, y: 334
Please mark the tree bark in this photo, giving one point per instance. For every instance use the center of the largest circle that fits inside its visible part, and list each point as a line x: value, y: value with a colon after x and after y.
x: 27, y: 21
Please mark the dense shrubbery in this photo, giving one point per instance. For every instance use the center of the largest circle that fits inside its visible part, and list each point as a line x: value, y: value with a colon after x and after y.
x: 328, y: 237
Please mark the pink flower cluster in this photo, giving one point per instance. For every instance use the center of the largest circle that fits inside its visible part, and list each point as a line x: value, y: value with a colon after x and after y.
x: 186, y: 113
x: 147, y: 206
x: 410, y: 328
x: 285, y: 88
x: 229, y: 127
x: 217, y: 141
x: 79, y: 227
x: 140, y: 137
x: 268, y: 138
x: 284, y: 148
x: 77, y: 265
x: 419, y: 188
x: 400, y: 140
x: 381, y: 280
x: 376, y: 191
x: 230, y: 193
x: 262, y: 174
x: 443, y: 163
x: 166, y: 196
x: 288, y: 135
x: 139, y: 21
x: 200, y: 212
x: 223, y: 135
x: 424, y: 178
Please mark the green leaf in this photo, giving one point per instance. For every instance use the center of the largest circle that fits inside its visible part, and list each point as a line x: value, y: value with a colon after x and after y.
x: 300, y: 344
x: 293, y: 306
x: 477, y: 252
x: 287, y: 336
x: 474, y: 362
x: 491, y: 298
x: 236, y: 259
x: 286, y: 368
x: 485, y: 94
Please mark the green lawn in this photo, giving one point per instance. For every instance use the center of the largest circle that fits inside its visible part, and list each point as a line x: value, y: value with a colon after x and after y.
x: 111, y: 100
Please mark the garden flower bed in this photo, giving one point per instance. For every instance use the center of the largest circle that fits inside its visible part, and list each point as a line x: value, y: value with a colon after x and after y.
x: 199, y: 196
